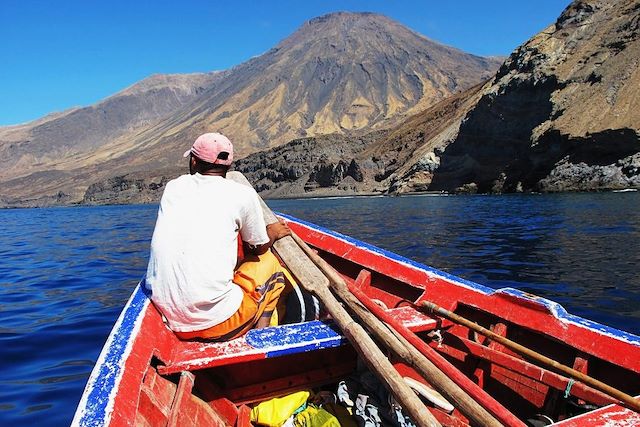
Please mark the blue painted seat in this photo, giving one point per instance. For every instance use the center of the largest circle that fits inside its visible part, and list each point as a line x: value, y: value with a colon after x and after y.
x: 295, y: 338
x: 276, y: 341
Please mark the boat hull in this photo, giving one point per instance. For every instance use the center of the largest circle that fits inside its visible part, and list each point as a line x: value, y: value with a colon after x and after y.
x: 146, y: 376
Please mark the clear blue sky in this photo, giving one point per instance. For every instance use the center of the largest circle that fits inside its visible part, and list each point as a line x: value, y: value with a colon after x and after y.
x: 60, y: 54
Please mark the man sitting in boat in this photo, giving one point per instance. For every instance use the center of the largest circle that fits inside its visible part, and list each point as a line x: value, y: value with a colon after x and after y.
x: 192, y: 274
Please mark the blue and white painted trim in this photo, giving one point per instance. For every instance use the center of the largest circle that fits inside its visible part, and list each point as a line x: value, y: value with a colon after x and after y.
x: 96, y: 404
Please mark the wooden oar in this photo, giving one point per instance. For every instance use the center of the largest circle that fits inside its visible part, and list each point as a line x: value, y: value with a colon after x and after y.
x: 626, y: 399
x: 475, y: 392
x: 397, y: 343
x: 312, y: 279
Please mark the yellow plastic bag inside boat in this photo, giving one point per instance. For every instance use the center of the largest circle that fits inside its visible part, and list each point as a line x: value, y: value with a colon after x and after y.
x: 275, y: 412
x: 315, y: 417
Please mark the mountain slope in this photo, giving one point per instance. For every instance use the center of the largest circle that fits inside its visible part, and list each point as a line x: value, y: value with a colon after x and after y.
x: 340, y: 73
x: 65, y: 137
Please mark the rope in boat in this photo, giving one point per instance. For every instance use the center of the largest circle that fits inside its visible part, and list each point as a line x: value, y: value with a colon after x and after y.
x: 567, y: 391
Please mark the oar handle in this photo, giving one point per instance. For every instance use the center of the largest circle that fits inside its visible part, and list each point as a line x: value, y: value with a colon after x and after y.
x: 390, y: 336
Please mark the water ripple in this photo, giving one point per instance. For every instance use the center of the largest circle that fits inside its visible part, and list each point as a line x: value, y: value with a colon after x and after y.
x: 64, y: 276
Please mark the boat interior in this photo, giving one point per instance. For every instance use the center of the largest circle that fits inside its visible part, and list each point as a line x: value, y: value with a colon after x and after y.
x: 202, y: 383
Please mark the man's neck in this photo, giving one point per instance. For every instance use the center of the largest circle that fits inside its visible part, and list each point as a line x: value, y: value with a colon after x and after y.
x: 214, y: 173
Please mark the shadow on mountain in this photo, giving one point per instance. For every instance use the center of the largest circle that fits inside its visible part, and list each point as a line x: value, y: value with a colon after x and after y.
x: 495, y: 138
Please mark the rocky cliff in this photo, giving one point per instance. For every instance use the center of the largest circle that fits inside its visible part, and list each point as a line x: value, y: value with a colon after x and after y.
x: 562, y: 113
x: 329, y: 165
x: 399, y: 160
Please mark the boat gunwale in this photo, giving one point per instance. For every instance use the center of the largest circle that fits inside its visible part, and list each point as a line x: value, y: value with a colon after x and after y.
x: 97, y: 401
x: 554, y: 308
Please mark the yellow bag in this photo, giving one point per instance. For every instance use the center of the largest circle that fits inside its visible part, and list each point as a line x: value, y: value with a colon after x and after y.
x: 315, y: 417
x: 275, y: 412
x: 341, y: 413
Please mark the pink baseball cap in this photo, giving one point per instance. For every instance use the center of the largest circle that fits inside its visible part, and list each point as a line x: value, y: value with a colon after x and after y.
x: 209, y: 146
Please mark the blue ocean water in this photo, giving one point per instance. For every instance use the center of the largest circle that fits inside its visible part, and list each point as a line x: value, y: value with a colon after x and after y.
x: 65, y: 273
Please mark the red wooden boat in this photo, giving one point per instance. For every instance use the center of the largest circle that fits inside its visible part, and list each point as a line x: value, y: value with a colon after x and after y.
x: 146, y: 376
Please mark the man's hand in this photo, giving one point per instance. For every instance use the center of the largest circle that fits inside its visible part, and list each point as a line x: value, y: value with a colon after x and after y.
x: 275, y: 231
x: 278, y: 230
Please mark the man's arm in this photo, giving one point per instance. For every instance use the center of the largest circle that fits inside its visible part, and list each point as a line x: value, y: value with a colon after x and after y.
x: 275, y: 231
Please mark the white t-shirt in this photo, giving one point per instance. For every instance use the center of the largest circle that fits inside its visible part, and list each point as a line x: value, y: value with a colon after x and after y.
x: 194, y: 249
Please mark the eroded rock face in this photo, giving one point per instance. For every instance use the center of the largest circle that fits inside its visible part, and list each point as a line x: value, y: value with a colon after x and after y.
x: 420, y: 175
x: 127, y: 189
x: 576, y: 175
x: 328, y: 165
x: 327, y: 174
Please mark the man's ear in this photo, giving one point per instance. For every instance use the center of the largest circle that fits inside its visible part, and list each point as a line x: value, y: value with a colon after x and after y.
x: 192, y: 165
